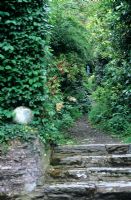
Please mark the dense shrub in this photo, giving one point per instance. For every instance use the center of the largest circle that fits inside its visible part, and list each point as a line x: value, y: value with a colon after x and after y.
x: 26, y: 68
x: 16, y: 131
x: 69, y: 34
x: 24, y: 55
x: 69, y: 42
x: 111, y: 107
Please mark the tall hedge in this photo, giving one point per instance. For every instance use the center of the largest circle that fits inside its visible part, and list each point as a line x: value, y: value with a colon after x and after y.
x: 24, y: 55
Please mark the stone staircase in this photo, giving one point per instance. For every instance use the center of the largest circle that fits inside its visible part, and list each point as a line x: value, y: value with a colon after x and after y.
x: 89, y: 172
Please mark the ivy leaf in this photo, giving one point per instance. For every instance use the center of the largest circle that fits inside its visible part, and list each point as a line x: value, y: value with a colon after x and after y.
x: 1, y: 56
x: 11, y: 22
x: 31, y: 81
x: 8, y: 67
x: 2, y: 13
x: 8, y: 47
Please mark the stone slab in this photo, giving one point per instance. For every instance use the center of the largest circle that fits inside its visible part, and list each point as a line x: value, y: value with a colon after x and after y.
x: 89, y: 174
x: 93, y: 149
x: 86, y: 191
x: 94, y: 161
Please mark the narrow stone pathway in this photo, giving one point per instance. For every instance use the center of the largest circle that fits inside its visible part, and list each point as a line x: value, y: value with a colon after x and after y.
x: 98, y: 167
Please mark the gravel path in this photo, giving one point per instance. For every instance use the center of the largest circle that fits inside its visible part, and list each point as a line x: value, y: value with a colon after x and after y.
x: 83, y: 133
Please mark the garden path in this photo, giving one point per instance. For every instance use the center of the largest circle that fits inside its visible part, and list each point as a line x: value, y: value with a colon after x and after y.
x: 84, y: 133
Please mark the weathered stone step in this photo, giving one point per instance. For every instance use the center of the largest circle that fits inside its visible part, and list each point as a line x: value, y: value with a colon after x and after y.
x: 89, y: 174
x: 88, y: 191
x: 93, y: 149
x: 94, y: 161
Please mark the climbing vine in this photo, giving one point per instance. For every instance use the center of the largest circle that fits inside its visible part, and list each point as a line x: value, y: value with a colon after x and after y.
x: 24, y: 55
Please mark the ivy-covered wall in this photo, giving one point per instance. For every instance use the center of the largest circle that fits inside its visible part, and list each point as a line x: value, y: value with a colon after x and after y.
x: 29, y: 75
x: 24, y: 55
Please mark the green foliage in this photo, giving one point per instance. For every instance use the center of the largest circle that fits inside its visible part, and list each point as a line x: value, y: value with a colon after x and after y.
x: 26, y: 68
x: 96, y: 33
x: 111, y: 96
x: 15, y: 131
x: 24, y: 55
x: 69, y: 41
x: 127, y: 135
x: 69, y: 33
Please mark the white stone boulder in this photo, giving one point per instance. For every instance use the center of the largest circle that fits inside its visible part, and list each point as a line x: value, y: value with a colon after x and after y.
x: 22, y: 115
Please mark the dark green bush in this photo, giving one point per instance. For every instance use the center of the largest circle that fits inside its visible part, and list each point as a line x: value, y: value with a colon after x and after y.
x: 24, y: 55
x: 15, y: 131
x: 111, y: 98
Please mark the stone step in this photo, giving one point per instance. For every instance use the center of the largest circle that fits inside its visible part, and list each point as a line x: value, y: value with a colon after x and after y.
x: 119, y: 190
x: 93, y: 161
x: 93, y: 149
x: 89, y: 174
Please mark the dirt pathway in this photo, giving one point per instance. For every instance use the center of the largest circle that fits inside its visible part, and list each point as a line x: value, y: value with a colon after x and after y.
x: 83, y: 133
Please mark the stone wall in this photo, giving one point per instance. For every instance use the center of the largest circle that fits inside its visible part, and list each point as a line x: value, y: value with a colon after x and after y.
x: 22, y: 168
